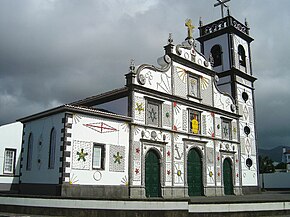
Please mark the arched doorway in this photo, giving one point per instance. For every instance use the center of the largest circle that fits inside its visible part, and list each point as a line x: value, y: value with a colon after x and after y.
x: 194, y: 173
x: 152, y: 174
x: 228, y: 177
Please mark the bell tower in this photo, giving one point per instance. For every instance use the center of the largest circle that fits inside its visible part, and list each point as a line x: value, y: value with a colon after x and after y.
x: 226, y: 43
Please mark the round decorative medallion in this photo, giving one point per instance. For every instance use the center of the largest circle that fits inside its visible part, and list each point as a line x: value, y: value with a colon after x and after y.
x: 210, y: 174
x: 249, y: 162
x: 247, y: 130
x: 216, y: 78
x: 179, y: 172
x: 245, y: 96
x: 205, y: 63
x: 141, y: 79
x: 153, y: 135
x: 97, y: 176
x: 227, y: 146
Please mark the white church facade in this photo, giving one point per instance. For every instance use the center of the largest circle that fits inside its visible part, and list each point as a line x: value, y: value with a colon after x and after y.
x: 184, y: 128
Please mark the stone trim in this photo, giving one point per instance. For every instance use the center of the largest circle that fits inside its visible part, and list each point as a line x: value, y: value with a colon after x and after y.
x: 21, y: 153
x: 65, y: 149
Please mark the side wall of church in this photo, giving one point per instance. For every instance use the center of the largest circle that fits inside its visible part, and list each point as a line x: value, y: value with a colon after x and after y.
x: 98, y: 157
x: 37, y: 171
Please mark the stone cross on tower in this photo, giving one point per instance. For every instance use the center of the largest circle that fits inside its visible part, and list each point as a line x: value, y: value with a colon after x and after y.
x: 222, y: 3
x: 190, y: 27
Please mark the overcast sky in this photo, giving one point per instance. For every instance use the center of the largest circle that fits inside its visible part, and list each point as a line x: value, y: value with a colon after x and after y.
x: 56, y: 51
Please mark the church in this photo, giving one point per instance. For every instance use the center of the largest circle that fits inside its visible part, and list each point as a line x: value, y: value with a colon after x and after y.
x: 181, y: 129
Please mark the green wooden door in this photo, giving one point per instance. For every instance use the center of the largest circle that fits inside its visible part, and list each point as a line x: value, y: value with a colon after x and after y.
x: 194, y: 173
x: 228, y: 177
x: 152, y: 175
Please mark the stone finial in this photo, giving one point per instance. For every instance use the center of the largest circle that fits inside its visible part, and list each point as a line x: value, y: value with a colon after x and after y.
x: 228, y: 11
x: 200, y: 22
x: 132, y: 65
x: 246, y: 23
x: 170, y: 39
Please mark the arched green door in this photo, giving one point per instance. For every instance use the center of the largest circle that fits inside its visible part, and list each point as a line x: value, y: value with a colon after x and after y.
x: 227, y: 176
x: 194, y: 173
x: 152, y: 175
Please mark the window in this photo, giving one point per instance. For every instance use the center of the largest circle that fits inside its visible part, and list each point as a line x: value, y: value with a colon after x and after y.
x: 194, y: 122
x: 99, y: 156
x: 193, y: 86
x: 52, y: 145
x: 242, y: 55
x: 29, y: 152
x: 153, y: 110
x: 216, y: 52
x: 9, y: 161
x: 226, y: 129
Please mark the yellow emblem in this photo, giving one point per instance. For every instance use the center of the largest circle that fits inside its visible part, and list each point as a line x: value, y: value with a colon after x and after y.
x: 194, y: 125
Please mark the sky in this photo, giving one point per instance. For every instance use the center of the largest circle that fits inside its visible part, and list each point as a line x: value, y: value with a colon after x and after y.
x: 54, y: 52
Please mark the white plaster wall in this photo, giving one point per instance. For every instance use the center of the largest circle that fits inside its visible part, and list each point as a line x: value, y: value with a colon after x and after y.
x: 41, y: 130
x: 114, y: 134
x: 223, y: 42
x: 156, y: 80
x: 221, y: 100
x: 181, y: 86
x: 248, y: 142
x: 139, y: 104
x: 10, y: 137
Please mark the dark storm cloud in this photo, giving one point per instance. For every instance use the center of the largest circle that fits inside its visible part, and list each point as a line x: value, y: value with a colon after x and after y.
x: 54, y: 52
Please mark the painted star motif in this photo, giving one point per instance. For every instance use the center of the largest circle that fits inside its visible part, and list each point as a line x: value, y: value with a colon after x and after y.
x: 138, y: 150
x: 139, y: 107
x: 118, y: 158
x: 82, y: 155
x: 137, y: 171
x: 152, y: 115
x: 168, y: 172
x: 168, y: 153
x: 225, y: 131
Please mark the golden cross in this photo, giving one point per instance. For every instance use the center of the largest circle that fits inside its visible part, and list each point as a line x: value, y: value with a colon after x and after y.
x: 190, y: 27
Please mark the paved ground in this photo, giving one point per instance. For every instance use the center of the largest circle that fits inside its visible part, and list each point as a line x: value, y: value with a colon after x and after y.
x: 267, y: 196
x: 22, y: 215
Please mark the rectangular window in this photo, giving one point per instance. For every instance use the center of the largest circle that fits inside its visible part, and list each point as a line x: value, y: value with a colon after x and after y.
x: 29, y: 152
x: 153, y: 111
x: 193, y: 86
x: 9, y: 161
x: 52, y: 145
x: 98, y: 156
x: 194, y: 122
x: 226, y: 129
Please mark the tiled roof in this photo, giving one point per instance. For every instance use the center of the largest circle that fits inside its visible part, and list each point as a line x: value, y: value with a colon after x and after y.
x: 96, y: 111
x: 72, y: 108
x: 89, y: 100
